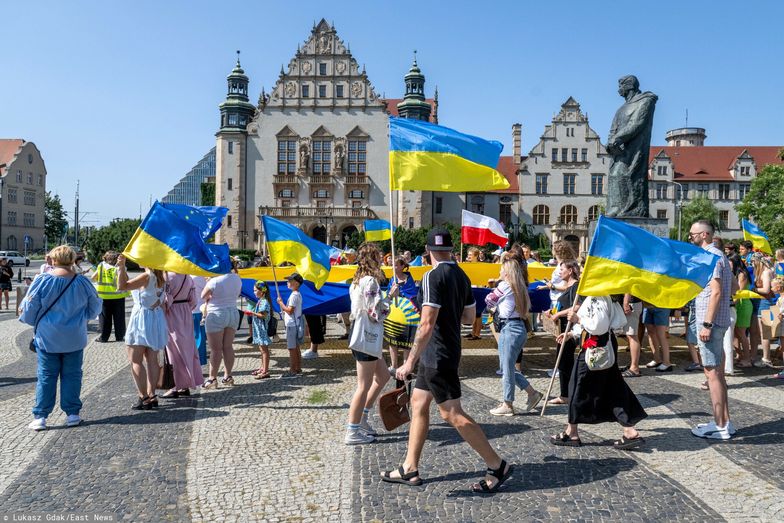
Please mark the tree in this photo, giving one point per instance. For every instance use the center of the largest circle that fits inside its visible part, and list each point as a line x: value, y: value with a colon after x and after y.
x: 699, y: 208
x: 207, y: 193
x: 55, y: 218
x: 112, y: 237
x: 764, y: 203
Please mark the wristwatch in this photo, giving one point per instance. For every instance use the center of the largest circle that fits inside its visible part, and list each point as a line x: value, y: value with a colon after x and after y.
x: 707, y: 324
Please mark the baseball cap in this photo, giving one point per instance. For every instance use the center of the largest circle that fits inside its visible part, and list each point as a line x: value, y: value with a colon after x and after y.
x: 349, y: 251
x: 439, y: 239
x: 295, y: 276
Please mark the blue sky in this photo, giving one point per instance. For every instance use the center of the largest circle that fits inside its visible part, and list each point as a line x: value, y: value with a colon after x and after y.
x: 123, y: 95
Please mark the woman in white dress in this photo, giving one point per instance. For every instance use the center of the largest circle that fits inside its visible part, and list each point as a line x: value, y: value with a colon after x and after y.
x: 147, y: 332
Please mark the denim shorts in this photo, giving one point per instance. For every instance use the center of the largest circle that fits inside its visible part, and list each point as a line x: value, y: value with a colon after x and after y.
x: 656, y: 316
x: 691, y: 327
x: 220, y: 319
x: 712, y: 351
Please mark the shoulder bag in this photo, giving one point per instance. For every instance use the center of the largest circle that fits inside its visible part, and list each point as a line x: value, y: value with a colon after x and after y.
x: 393, y: 406
x: 38, y: 320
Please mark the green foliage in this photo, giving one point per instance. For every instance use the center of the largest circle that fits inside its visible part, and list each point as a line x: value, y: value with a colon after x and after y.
x: 698, y: 209
x: 114, y: 236
x: 764, y: 203
x: 243, y: 254
x: 55, y: 218
x: 207, y: 193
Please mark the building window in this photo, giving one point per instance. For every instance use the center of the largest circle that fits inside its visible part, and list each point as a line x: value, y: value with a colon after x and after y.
x: 439, y: 204
x: 339, y: 91
x: 541, y: 183
x: 322, y: 156
x: 555, y: 154
x: 702, y: 190
x: 322, y: 91
x: 29, y: 158
x: 541, y: 215
x: 743, y: 190
x: 233, y: 121
x: 724, y: 220
x: 305, y: 91
x: 357, y: 157
x: 574, y: 155
x: 661, y: 214
x: 661, y: 170
x: 564, y: 154
x: 356, y: 204
x: 321, y: 204
x: 11, y: 195
x: 11, y: 217
x: 568, y: 214
x: 231, y: 147
x: 597, y: 184
x: 29, y: 219
x: 505, y: 214
x: 322, y: 69
x: 228, y: 220
x: 478, y: 204
x: 40, y: 180
x: 19, y: 176
x: 593, y: 213
x: 410, y: 222
x: 29, y: 197
x: 585, y: 155
x: 683, y: 191
x: 745, y: 170
x: 568, y: 183
x: 724, y: 191
x: 287, y: 156
x: 228, y: 184
x: 11, y: 242
x: 285, y: 204
x: 286, y: 193
x: 321, y: 193
x: 661, y: 191
x: 356, y: 193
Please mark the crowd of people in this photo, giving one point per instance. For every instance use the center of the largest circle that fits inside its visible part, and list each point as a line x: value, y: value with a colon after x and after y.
x: 175, y: 318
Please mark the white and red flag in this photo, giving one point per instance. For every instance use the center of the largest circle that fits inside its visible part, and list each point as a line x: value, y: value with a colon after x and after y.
x: 479, y: 230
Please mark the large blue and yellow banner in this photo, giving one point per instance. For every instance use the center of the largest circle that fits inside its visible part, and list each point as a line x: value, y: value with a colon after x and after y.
x: 287, y: 243
x: 429, y: 157
x: 167, y: 241
x: 626, y: 259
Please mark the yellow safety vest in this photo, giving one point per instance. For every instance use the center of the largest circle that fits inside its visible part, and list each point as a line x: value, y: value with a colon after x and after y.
x: 107, y: 283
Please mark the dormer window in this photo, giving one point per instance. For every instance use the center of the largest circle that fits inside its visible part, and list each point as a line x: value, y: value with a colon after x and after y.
x: 745, y: 170
x: 661, y: 170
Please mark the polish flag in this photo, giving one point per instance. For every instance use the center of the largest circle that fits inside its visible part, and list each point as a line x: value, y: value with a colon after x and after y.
x: 479, y: 230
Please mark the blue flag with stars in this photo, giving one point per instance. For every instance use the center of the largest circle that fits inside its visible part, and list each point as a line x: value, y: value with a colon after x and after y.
x: 207, y: 218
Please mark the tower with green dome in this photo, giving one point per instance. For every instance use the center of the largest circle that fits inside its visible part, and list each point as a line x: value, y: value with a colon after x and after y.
x: 414, y: 105
x: 236, y: 111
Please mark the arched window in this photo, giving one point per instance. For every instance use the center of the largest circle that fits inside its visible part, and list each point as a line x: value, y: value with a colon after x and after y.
x: 568, y: 214
x: 593, y: 213
x: 286, y: 193
x: 11, y: 241
x: 541, y: 215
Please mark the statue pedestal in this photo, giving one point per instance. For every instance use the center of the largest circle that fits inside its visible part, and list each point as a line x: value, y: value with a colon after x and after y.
x: 657, y: 226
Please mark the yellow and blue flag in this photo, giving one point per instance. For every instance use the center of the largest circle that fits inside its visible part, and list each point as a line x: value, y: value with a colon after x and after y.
x: 429, y: 157
x: 287, y: 243
x: 377, y: 230
x: 626, y: 259
x: 166, y: 241
x: 755, y: 235
x: 207, y: 218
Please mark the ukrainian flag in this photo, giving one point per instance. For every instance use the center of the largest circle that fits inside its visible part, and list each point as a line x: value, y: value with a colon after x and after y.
x: 287, y: 243
x: 626, y: 259
x: 166, y: 241
x: 377, y: 230
x: 428, y: 157
x: 755, y: 235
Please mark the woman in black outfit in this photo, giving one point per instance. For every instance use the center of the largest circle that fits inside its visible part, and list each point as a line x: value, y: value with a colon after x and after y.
x: 570, y: 274
x: 6, y: 274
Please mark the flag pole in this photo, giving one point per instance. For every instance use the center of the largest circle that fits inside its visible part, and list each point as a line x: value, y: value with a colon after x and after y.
x: 272, y: 263
x: 557, y: 361
x: 392, y: 228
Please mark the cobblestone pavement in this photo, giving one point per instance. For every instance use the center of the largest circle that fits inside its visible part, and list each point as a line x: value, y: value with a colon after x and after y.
x: 271, y: 450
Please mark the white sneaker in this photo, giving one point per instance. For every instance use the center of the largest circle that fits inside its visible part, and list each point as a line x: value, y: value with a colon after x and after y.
x: 38, y: 424
x: 357, y: 437
x: 502, y: 410
x: 367, y: 428
x: 309, y: 355
x: 73, y: 420
x: 711, y: 431
x: 550, y: 373
x: 712, y: 425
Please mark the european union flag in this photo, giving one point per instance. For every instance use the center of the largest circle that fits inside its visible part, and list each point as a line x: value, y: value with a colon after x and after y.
x: 207, y: 218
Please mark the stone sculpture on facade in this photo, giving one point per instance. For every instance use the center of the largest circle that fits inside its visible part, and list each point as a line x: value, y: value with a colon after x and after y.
x: 629, y: 144
x: 304, y: 157
x: 339, y: 156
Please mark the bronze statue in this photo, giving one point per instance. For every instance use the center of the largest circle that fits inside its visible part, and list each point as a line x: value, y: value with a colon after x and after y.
x: 629, y: 145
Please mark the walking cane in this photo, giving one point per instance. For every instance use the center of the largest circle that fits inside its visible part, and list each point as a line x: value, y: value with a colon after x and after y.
x: 558, y: 359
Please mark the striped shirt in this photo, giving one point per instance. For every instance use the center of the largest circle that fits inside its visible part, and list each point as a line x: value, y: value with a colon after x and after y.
x: 723, y: 273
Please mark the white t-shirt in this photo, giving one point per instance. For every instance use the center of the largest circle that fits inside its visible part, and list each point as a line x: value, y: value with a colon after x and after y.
x: 199, y: 282
x: 295, y: 300
x: 225, y: 289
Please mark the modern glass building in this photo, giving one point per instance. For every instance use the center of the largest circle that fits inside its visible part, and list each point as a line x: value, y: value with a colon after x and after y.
x: 188, y: 189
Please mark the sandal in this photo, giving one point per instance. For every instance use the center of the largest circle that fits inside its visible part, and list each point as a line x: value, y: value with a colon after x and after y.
x: 412, y: 478
x: 628, y: 373
x: 171, y: 394
x: 557, y: 401
x: 151, y: 402
x: 211, y: 383
x: 139, y: 405
x: 499, y: 474
x: 256, y: 372
x: 628, y: 443
x: 261, y: 376
x: 564, y: 440
x: 704, y: 385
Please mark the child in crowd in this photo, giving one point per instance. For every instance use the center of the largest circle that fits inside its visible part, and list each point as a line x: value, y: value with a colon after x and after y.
x: 294, y: 325
x: 260, y: 314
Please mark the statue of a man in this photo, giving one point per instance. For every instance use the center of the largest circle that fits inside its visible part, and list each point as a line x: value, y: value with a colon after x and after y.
x: 629, y: 145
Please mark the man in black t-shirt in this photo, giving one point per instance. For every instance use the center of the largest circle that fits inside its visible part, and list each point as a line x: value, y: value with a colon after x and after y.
x: 447, y: 301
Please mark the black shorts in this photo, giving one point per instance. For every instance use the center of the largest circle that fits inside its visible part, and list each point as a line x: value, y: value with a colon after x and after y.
x: 5, y: 286
x: 361, y: 356
x: 443, y: 384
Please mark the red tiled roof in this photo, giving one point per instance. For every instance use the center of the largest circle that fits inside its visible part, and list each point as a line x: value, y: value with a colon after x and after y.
x: 392, y: 106
x: 507, y: 167
x: 708, y: 163
x: 8, y: 149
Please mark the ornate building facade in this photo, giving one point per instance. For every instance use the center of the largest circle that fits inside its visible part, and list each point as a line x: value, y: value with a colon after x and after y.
x: 22, y: 200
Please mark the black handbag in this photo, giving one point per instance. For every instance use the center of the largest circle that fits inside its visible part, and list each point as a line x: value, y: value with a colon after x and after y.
x: 272, y: 325
x: 32, y: 346
x: 166, y: 377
